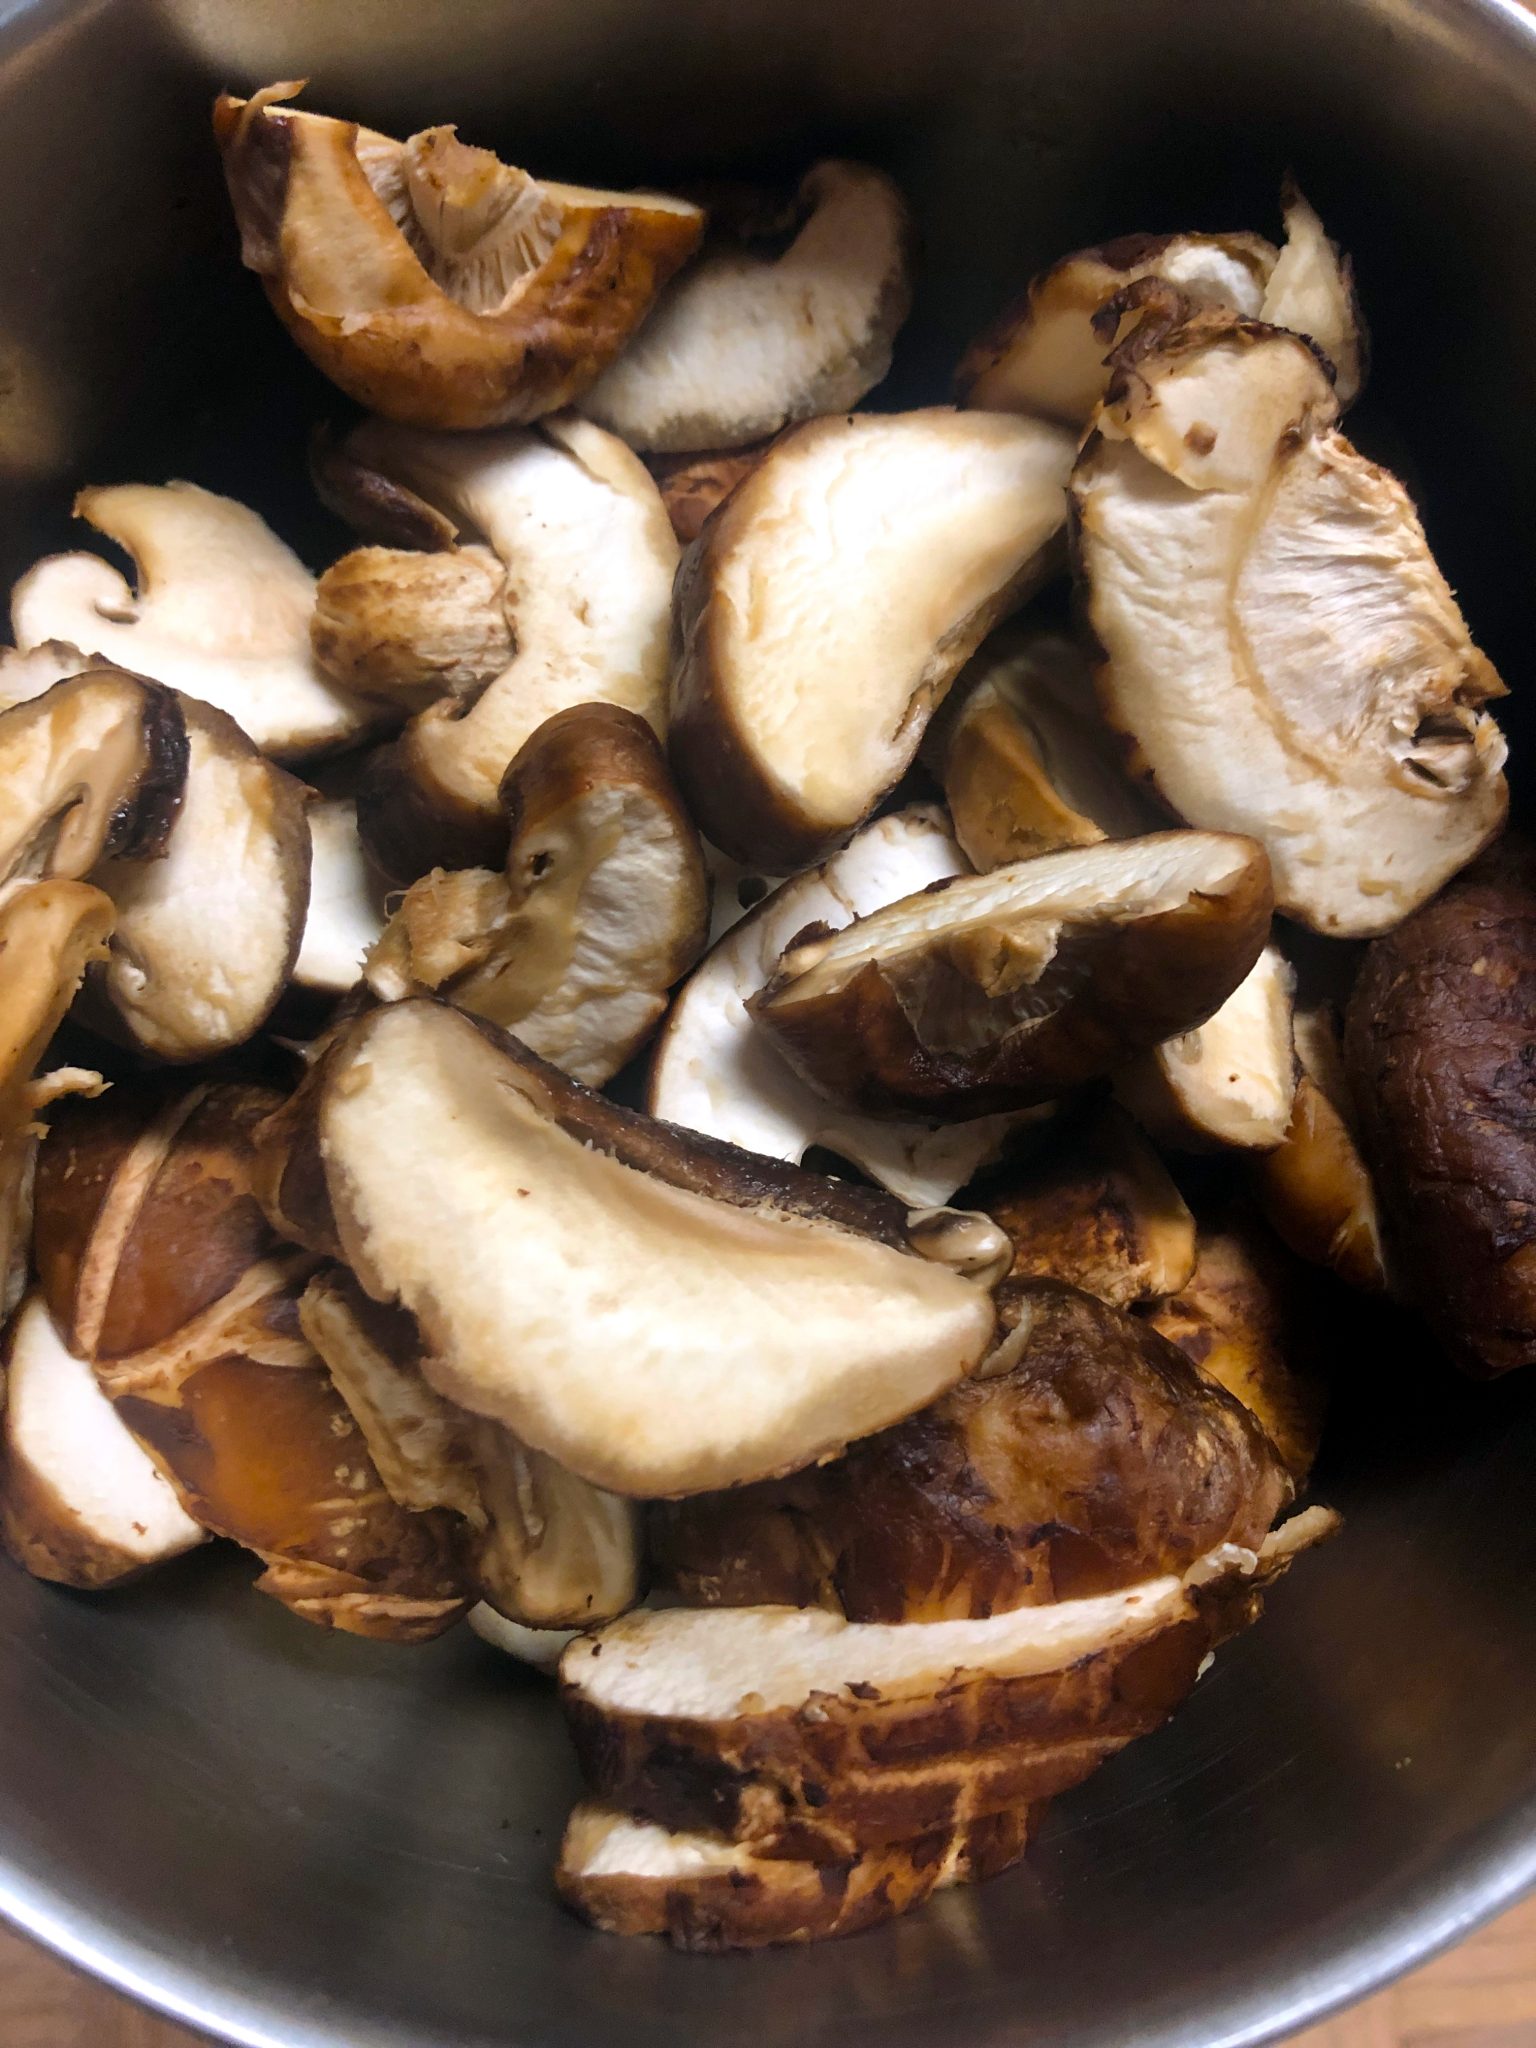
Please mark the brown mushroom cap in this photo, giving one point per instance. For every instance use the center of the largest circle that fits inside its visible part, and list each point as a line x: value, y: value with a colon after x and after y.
x: 412, y: 627
x: 996, y: 990
x: 1248, y: 574
x: 906, y: 537
x: 220, y: 609
x: 748, y: 341
x: 692, y: 485
x: 1096, y: 1459
x: 603, y: 906
x: 764, y: 1316
x: 431, y: 282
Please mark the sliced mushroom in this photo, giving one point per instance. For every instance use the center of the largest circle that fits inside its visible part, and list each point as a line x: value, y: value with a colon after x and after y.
x: 991, y: 991
x: 547, y: 1550
x: 412, y: 627
x: 1230, y: 1082
x: 749, y: 1720
x: 220, y: 610
x: 540, y: 1648
x: 905, y: 537
x: 714, y: 1070
x: 158, y: 1266
x: 1242, y: 1320
x: 1099, y: 1211
x: 345, y: 913
x: 81, y: 1502
x: 207, y: 936
x: 604, y: 904
x: 747, y: 342
x: 1097, y: 1459
x: 49, y: 933
x: 1046, y: 355
x: 429, y: 280
x: 1316, y: 1188
x: 588, y: 555
x: 764, y: 1317
x: 708, y: 1895
x: 1277, y: 638
x: 692, y: 485
x: 1028, y: 765
x: 24, y: 676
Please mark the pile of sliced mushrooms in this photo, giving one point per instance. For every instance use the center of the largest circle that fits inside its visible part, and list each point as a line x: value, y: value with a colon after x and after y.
x: 867, y: 1426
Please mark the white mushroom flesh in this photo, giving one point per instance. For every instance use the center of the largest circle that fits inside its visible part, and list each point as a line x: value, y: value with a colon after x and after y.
x: 346, y: 901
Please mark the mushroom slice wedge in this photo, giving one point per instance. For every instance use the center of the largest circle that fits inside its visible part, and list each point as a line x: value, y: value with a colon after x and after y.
x: 1099, y: 1211
x: 906, y: 537
x: 80, y: 1501
x: 207, y: 936
x: 1249, y: 575
x: 24, y: 676
x: 1232, y: 1081
x: 1247, y: 1321
x: 588, y: 557
x: 708, y: 1895
x: 765, y: 1317
x: 93, y: 767
x: 603, y: 906
x: 742, y: 1719
x: 1097, y: 1458
x: 427, y: 279
x: 1316, y: 1188
x: 716, y: 1070
x: 992, y: 991
x: 1027, y: 764
x: 745, y: 343
x: 50, y: 932
x: 157, y: 1264
x: 345, y: 913
x: 220, y: 610
x: 1044, y: 355
x: 547, y: 1550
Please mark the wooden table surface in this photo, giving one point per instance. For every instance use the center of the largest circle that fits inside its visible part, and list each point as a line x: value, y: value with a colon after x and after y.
x: 1482, y: 1995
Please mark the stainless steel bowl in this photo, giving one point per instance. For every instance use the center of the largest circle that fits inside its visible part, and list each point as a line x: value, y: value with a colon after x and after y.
x: 308, y: 1841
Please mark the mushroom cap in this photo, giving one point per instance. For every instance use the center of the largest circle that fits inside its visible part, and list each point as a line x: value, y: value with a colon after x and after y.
x: 745, y: 343
x: 1217, y: 511
x: 716, y: 1070
x: 581, y: 531
x: 219, y: 609
x: 993, y: 991
x: 760, y: 1322
x: 412, y: 627
x: 904, y: 537
x: 428, y: 280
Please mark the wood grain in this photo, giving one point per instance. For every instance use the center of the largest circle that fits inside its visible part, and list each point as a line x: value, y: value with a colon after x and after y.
x: 1482, y: 1995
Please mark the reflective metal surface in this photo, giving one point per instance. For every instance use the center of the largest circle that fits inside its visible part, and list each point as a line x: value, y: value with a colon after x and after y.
x: 306, y: 1842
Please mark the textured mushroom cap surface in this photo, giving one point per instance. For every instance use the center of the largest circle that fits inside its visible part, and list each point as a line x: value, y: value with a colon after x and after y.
x: 743, y: 344
x: 1232, y: 1081
x: 1250, y: 575
x: 824, y: 612
x: 1098, y: 1210
x: 603, y: 906
x: 1316, y: 1188
x: 692, y: 484
x: 708, y: 1895
x: 1027, y: 762
x: 345, y: 912
x: 430, y: 281
x: 220, y: 610
x: 81, y: 1502
x: 1043, y: 355
x: 1437, y: 1039
x: 1096, y: 1459
x: 589, y: 553
x: 94, y: 766
x: 756, y: 1331
x: 991, y: 991
x: 716, y: 1070
x: 412, y: 627
x: 207, y: 936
